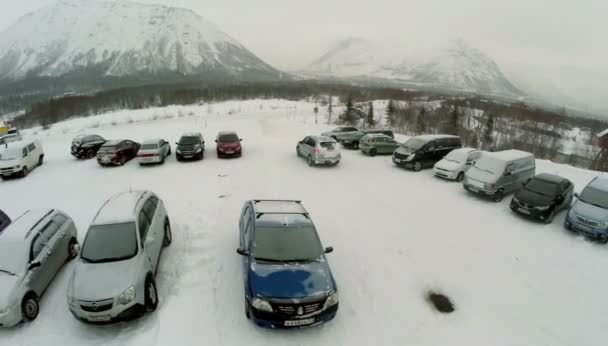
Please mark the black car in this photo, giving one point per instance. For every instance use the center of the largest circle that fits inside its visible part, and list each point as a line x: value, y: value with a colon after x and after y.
x: 86, y: 146
x: 543, y: 197
x: 191, y: 146
x: 4, y: 221
x: 425, y: 151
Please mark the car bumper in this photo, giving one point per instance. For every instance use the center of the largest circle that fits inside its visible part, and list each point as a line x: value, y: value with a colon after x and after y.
x: 116, y: 314
x: 445, y: 174
x: 403, y: 162
x: 11, y: 317
x: 595, y: 233
x: 9, y: 172
x: 327, y: 160
x: 148, y: 160
x: 231, y: 153
x: 273, y: 320
x: 478, y: 191
x: 189, y: 156
x: 530, y: 212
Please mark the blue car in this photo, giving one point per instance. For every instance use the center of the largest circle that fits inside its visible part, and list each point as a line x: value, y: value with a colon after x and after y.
x: 288, y: 282
x: 589, y: 213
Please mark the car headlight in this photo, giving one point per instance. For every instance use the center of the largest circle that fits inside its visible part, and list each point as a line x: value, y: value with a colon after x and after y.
x: 261, y: 304
x: 411, y: 157
x: 515, y: 199
x: 571, y: 214
x: 332, y: 300
x: 127, y: 296
x: 198, y: 150
x: 488, y: 186
x: 605, y: 224
x: 178, y: 151
x: 543, y: 208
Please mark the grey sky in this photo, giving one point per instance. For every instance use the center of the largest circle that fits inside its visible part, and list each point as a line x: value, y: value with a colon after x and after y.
x: 289, y: 34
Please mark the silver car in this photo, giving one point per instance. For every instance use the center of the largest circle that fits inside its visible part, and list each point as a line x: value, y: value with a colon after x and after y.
x: 319, y: 150
x: 32, y: 251
x: 153, y: 151
x: 114, y: 277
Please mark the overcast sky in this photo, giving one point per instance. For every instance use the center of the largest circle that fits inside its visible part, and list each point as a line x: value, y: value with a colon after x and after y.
x: 552, y: 34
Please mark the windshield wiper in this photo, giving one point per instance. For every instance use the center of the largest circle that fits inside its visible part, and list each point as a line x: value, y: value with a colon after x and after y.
x: 271, y: 260
x: 8, y: 272
x: 303, y: 260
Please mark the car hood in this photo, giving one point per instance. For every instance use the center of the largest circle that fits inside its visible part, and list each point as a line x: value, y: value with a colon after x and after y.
x: 534, y: 199
x: 188, y: 147
x: 405, y: 151
x: 482, y: 176
x: 590, y: 211
x: 448, y: 165
x: 98, y: 281
x: 10, y: 163
x: 8, y: 283
x: 328, y: 133
x: 290, y: 281
x: 229, y: 144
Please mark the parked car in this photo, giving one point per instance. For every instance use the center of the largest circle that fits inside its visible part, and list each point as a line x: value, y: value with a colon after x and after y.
x: 114, y: 277
x: 153, y: 151
x: 4, y: 220
x: 380, y: 132
x: 374, y: 144
x: 33, y: 249
x: 424, y: 151
x: 288, y: 282
x: 500, y: 173
x: 86, y: 146
x: 117, y: 152
x: 190, y: 146
x: 350, y: 136
x: 319, y: 151
x: 543, y: 197
x: 19, y: 158
x: 228, y: 144
x: 589, y: 213
x: 456, y: 163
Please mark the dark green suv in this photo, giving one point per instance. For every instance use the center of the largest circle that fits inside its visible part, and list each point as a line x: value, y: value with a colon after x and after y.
x: 375, y: 144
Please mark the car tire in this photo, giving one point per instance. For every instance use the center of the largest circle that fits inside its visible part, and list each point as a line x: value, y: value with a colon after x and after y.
x: 151, y: 295
x: 123, y: 160
x: 460, y: 177
x: 417, y: 166
x: 247, y: 313
x: 24, y: 172
x: 72, y: 252
x: 40, y: 160
x: 550, y: 217
x: 30, y: 307
x: 356, y: 145
x: 373, y: 152
x: 311, y: 162
x: 169, y: 152
x: 167, y: 235
x: 90, y: 154
x: 498, y: 196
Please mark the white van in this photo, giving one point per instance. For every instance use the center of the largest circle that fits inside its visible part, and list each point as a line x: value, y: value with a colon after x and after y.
x: 19, y: 158
x: 497, y: 174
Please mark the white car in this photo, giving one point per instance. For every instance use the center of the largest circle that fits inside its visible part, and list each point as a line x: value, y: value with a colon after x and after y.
x: 114, y: 277
x: 19, y: 158
x: 457, y: 163
x: 153, y: 151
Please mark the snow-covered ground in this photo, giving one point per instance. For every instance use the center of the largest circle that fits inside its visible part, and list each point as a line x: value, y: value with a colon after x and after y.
x: 396, y: 233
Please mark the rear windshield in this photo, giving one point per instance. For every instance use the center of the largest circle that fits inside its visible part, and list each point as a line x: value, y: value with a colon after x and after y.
x: 228, y: 138
x: 110, y: 243
x: 189, y: 140
x: 328, y: 145
x: 149, y: 146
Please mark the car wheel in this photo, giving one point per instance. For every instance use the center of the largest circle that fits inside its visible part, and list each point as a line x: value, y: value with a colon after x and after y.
x: 460, y: 177
x: 151, y: 295
x: 550, y: 217
x: 311, y: 162
x: 72, y: 249
x: 123, y: 160
x: 40, y: 160
x: 169, y: 152
x: 90, y: 154
x: 373, y: 152
x: 498, y: 196
x: 24, y: 172
x: 417, y: 166
x: 356, y: 145
x: 30, y: 307
x: 168, y: 236
x: 247, y: 313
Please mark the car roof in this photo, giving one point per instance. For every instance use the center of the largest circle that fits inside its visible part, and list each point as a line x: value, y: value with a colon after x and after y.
x: 222, y: 133
x: 120, y: 208
x: 151, y: 141
x: 552, y: 178
x: 20, y: 229
x: 280, y: 213
x: 113, y: 142
x: 192, y: 134
x: 18, y: 144
x: 509, y: 155
x: 322, y: 138
x: 435, y: 137
x: 465, y: 150
x: 599, y: 183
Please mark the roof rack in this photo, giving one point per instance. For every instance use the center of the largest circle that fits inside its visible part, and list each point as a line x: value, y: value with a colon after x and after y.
x: 276, y: 200
x: 257, y: 215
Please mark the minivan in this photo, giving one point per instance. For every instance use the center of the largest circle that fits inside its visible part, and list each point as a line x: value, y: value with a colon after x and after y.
x: 500, y: 173
x: 424, y: 151
x: 20, y: 158
x: 589, y: 212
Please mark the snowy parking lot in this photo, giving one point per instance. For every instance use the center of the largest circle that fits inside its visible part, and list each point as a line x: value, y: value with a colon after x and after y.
x: 397, y: 234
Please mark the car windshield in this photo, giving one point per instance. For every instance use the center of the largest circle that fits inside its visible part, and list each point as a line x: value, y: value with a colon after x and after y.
x: 78, y: 139
x: 10, y: 154
x: 328, y: 145
x: 490, y: 165
x: 457, y: 156
x: 149, y: 146
x: 595, y: 197
x: 414, y: 144
x: 189, y: 140
x: 542, y: 187
x: 228, y: 138
x: 286, y: 244
x: 110, y: 243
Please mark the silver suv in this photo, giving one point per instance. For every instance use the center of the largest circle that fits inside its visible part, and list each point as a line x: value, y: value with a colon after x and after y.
x: 114, y: 277
x: 32, y: 251
x: 319, y: 150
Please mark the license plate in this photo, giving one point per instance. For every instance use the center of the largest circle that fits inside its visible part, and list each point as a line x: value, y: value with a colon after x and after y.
x: 476, y: 184
x: 230, y: 152
x: 524, y: 211
x: 103, y: 318
x: 583, y: 228
x: 297, y: 323
x: 188, y: 156
x: 472, y: 189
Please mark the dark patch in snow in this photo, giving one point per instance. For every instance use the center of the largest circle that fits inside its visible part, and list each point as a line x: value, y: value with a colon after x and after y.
x: 441, y: 302
x: 222, y: 175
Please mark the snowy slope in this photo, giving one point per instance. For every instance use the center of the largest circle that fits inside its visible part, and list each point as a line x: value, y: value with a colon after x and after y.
x: 454, y: 65
x: 119, y: 38
x: 396, y: 233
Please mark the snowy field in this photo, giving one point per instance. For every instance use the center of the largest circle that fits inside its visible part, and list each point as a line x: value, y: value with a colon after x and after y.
x: 397, y: 234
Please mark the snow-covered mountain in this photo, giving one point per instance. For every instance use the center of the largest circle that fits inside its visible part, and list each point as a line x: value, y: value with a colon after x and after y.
x: 453, y: 66
x: 120, y: 39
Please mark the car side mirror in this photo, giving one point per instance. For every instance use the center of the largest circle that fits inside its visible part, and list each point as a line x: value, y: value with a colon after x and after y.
x: 329, y: 249
x: 216, y: 141
x: 508, y: 174
x: 559, y: 198
x: 203, y: 142
x: 576, y: 194
x: 176, y: 143
x: 33, y: 265
x: 242, y: 252
x: 240, y: 139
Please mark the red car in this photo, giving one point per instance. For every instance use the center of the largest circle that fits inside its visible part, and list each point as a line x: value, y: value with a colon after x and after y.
x: 117, y: 152
x: 228, y: 145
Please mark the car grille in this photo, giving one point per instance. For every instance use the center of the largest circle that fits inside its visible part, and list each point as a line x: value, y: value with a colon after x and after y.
x: 587, y: 222
x: 298, y: 309
x: 400, y: 156
x: 97, y: 306
x: 8, y: 170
